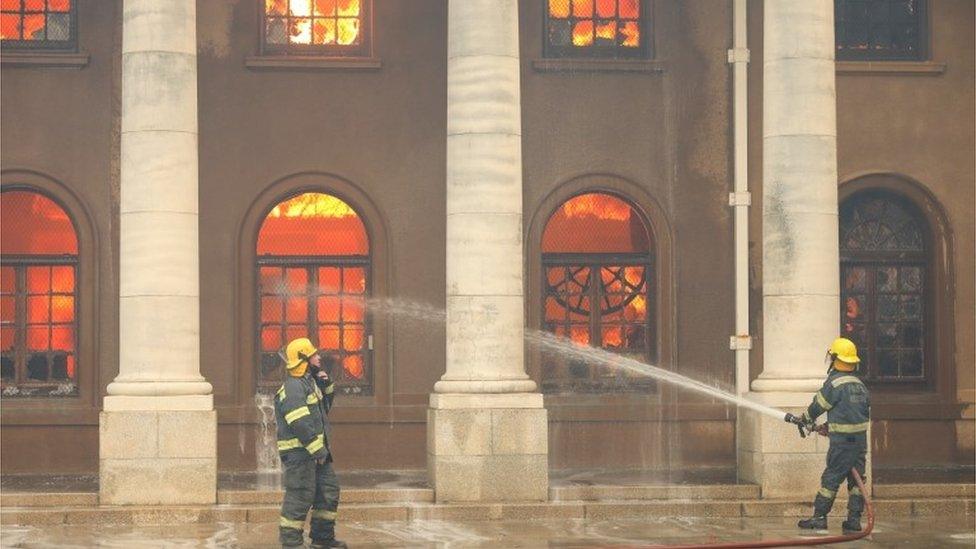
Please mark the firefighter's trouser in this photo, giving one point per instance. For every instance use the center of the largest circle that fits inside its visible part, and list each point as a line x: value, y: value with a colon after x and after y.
x: 307, y: 485
x: 845, y: 452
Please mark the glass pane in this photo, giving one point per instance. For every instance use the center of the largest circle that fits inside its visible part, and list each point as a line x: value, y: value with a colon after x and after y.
x: 887, y: 363
x: 583, y: 8
x: 347, y: 31
x: 349, y: 8
x: 271, y: 338
x: 301, y: 8
x: 559, y: 9
x: 329, y: 338
x: 296, y: 309
x: 38, y: 311
x: 887, y: 335
x: 911, y: 335
x: 8, y: 280
x: 58, y: 5
x: 629, y: 9
x: 9, y: 27
x: 888, y: 307
x: 887, y: 279
x: 62, y: 280
x: 854, y: 308
x: 58, y: 26
x: 559, y: 34
x: 33, y: 27
x: 606, y: 33
x: 62, y: 338
x: 271, y: 282
x: 911, y: 307
x: 329, y: 280
x: 606, y: 8
x: 276, y: 32
x: 300, y: 31
x: 62, y: 308
x: 325, y: 7
x: 10, y: 5
x: 276, y: 7
x: 911, y: 364
x: 7, y: 334
x: 59, y: 367
x: 353, y: 366
x: 8, y: 307
x: 629, y: 34
x: 324, y: 31
x: 272, y: 309
x: 328, y: 309
x: 354, y: 281
x: 910, y: 279
x: 37, y: 367
x: 295, y: 331
x: 296, y: 281
x: 583, y: 33
x: 38, y: 280
x: 855, y: 279
x: 7, y: 367
x: 352, y: 339
x: 33, y: 5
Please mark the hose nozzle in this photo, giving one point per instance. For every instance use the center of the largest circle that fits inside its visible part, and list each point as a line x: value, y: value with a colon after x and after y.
x: 802, y: 425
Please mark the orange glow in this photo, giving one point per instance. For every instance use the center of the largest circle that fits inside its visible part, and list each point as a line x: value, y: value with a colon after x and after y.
x: 629, y: 9
x: 300, y: 31
x: 9, y: 26
x: 6, y: 338
x: 853, y: 308
x: 595, y: 223
x: 313, y: 224
x: 353, y: 365
x: 348, y: 31
x: 583, y: 33
x: 559, y: 9
x: 58, y: 5
x: 325, y: 7
x: 300, y: 8
x: 276, y: 7
x: 583, y: 8
x: 37, y: 338
x: 612, y: 336
x: 607, y: 31
x: 580, y: 335
x: 606, y: 8
x: 325, y: 31
x: 33, y: 27
x: 630, y: 30
x: 348, y: 8
x: 32, y: 224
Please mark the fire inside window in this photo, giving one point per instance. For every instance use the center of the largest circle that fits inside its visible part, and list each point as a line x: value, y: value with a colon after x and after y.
x: 595, y: 28
x: 313, y: 281
x: 597, y: 268
x: 315, y: 27
x: 883, y: 285
x: 880, y: 29
x: 32, y: 24
x: 38, y: 301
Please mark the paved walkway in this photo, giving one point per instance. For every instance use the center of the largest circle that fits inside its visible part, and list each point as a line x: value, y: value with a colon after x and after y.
x: 908, y: 532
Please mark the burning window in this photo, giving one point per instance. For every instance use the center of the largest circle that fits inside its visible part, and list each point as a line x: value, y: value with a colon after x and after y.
x: 880, y: 29
x: 313, y: 279
x: 598, y: 273
x: 316, y: 27
x: 883, y: 285
x: 38, y: 298
x: 596, y: 28
x: 47, y: 24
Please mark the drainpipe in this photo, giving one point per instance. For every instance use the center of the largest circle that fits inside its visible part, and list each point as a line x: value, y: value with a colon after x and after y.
x: 740, y: 199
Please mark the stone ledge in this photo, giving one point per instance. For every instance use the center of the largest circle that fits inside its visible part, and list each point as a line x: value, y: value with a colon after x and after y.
x: 924, y: 490
x: 312, y: 63
x: 638, y: 492
x: 349, y: 496
x: 891, y: 68
x: 66, y: 499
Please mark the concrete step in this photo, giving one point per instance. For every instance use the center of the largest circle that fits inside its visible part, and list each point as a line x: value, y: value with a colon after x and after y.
x: 349, y: 495
x: 598, y: 492
x: 407, y: 511
x: 920, y: 490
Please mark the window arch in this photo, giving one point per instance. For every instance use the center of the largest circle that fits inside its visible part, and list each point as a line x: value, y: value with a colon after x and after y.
x: 38, y: 296
x: 598, y: 272
x: 313, y: 263
x: 886, y: 277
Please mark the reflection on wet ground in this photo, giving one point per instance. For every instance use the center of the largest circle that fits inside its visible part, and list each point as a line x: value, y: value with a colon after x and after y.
x: 909, y: 532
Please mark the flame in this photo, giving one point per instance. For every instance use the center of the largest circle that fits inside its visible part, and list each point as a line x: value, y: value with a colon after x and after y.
x: 583, y: 8
x: 629, y: 9
x: 612, y: 336
x: 348, y: 8
x: 348, y: 31
x: 580, y: 335
x: 313, y: 205
x: 607, y: 31
x: 606, y: 8
x: 631, y: 32
x: 583, y: 33
x: 353, y: 365
x: 601, y: 206
x: 853, y: 308
x: 559, y: 9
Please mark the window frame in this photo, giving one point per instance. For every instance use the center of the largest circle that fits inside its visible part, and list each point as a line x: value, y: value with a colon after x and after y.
x: 879, y: 259
x: 362, y: 50
x: 53, y: 46
x: 643, y: 52
x: 921, y: 54
x: 311, y: 263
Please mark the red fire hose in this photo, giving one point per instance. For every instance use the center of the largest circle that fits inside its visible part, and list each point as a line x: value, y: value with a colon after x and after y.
x: 789, y: 542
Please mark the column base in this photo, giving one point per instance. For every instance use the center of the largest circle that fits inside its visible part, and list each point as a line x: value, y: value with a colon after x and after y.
x: 488, y: 447
x: 158, y: 450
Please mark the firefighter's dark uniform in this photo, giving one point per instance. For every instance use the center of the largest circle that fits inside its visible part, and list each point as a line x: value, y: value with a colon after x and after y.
x: 846, y: 401
x: 301, y: 411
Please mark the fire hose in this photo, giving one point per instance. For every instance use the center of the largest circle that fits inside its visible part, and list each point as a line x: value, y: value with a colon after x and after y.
x: 806, y: 427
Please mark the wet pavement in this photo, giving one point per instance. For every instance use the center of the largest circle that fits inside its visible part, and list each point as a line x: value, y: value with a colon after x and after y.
x: 563, y: 534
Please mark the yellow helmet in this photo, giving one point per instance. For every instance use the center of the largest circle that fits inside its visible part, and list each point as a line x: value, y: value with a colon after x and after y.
x: 298, y: 351
x: 844, y: 350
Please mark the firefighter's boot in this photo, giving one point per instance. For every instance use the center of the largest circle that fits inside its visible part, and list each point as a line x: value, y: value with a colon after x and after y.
x: 821, y: 506
x: 855, y: 506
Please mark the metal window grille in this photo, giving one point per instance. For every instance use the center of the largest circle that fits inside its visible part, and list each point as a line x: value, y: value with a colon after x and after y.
x: 316, y: 27
x: 884, y: 285
x: 38, y: 24
x: 880, y: 29
x: 597, y: 28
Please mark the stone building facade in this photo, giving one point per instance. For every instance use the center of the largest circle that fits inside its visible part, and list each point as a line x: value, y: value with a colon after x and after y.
x: 525, y: 165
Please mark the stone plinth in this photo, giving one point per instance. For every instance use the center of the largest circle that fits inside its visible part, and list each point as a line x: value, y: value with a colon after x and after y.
x: 158, y: 451
x: 488, y: 447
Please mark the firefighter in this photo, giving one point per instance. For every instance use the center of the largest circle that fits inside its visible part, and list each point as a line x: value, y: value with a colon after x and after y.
x: 846, y: 401
x: 301, y: 412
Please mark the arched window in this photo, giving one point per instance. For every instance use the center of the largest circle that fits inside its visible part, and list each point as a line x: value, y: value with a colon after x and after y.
x: 884, y: 279
x: 597, y: 269
x: 313, y: 270
x: 38, y: 298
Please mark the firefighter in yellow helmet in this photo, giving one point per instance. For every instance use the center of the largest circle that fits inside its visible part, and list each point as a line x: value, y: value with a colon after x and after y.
x: 302, y: 406
x: 847, y: 403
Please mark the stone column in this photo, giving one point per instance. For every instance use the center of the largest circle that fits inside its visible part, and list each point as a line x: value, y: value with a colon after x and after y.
x: 487, y: 427
x: 157, y: 442
x: 800, y: 242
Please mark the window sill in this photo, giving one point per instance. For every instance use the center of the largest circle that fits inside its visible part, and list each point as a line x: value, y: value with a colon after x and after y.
x: 645, y: 66
x: 888, y: 68
x: 313, y: 63
x: 44, y: 59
